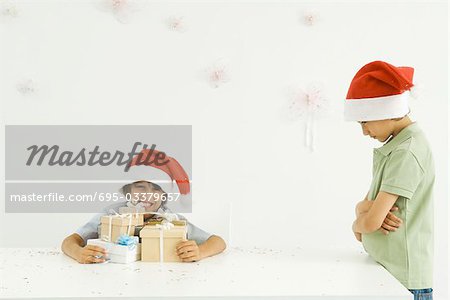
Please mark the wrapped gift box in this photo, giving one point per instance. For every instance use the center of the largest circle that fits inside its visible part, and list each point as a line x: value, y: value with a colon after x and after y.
x: 119, y: 253
x: 136, y: 212
x: 156, y: 232
x: 116, y: 225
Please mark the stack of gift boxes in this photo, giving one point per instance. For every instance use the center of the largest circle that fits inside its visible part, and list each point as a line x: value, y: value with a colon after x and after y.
x: 127, y: 238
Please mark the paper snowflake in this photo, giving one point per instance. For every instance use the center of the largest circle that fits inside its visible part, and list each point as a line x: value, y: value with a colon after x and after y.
x: 309, y: 18
x: 217, y: 75
x: 307, y: 105
x: 176, y: 24
x: 121, y: 9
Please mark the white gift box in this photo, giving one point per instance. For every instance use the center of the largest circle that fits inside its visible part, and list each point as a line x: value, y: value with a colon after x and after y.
x: 118, y: 253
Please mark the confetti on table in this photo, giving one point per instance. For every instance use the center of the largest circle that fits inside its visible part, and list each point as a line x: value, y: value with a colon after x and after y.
x: 26, y: 87
x: 8, y: 10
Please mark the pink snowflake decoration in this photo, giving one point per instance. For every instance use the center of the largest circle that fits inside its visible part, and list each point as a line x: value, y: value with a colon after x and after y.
x: 309, y: 18
x: 176, y: 24
x: 121, y: 9
x: 307, y: 106
x: 118, y: 4
x: 217, y: 75
x: 307, y: 102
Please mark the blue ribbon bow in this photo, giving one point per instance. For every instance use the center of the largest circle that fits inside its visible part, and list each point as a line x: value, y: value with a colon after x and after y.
x: 126, y: 240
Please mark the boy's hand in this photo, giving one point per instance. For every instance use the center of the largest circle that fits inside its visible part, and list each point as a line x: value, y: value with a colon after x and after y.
x: 391, y: 222
x: 91, y: 254
x: 188, y: 251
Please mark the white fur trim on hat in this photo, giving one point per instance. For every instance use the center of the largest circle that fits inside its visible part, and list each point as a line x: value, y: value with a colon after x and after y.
x: 168, y: 186
x: 379, y: 108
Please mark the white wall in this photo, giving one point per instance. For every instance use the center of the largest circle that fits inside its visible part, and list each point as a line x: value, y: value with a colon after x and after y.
x: 88, y: 68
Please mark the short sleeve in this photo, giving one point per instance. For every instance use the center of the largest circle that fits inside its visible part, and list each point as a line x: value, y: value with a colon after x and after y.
x: 402, y: 174
x: 90, y: 229
x: 195, y: 233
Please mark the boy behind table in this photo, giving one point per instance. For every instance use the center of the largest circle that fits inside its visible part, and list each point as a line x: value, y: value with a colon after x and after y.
x: 147, y: 195
x: 395, y: 221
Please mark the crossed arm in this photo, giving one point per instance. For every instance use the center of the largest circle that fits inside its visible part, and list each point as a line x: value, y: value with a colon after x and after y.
x: 376, y: 215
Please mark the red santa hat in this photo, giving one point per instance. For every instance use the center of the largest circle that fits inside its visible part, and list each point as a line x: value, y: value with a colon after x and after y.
x: 164, y: 171
x: 379, y: 91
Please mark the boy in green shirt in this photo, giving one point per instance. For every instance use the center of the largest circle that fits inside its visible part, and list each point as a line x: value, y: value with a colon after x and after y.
x: 395, y: 220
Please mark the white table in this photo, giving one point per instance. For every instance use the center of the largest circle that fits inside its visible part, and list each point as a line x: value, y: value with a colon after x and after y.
x: 296, y: 274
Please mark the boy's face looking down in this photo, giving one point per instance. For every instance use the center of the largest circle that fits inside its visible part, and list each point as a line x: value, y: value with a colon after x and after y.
x: 148, y: 194
x: 382, y: 130
x: 379, y: 130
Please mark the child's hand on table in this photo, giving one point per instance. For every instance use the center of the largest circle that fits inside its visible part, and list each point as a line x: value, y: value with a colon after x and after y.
x: 188, y: 251
x: 91, y: 254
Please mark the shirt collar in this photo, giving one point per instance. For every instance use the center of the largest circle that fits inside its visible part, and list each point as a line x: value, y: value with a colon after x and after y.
x: 402, y: 136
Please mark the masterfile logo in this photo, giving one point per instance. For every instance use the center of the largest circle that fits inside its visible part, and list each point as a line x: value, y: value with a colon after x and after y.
x: 53, y: 156
x: 70, y: 168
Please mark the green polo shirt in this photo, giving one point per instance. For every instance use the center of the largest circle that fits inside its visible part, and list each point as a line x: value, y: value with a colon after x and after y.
x: 404, y: 166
